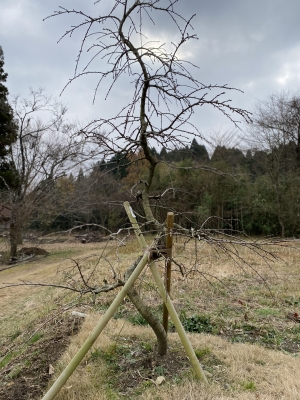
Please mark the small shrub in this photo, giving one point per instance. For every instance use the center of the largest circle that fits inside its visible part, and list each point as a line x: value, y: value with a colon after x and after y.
x: 196, y: 323
x: 159, y: 370
x: 95, y: 354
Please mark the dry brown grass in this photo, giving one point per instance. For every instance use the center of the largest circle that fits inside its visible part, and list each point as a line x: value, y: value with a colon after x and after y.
x: 249, y: 371
x: 19, y: 305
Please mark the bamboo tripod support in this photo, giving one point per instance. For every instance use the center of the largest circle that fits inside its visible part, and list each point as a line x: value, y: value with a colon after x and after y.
x: 168, y: 303
x: 73, y: 364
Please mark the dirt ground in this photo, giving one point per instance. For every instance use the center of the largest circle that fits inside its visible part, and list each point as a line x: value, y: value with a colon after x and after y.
x: 31, y: 370
x: 27, y: 374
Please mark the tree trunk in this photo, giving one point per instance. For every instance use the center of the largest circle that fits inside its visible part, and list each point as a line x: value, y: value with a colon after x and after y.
x: 298, y: 146
x: 281, y: 226
x: 15, y: 235
x: 144, y: 310
x: 13, y: 238
x: 279, y: 213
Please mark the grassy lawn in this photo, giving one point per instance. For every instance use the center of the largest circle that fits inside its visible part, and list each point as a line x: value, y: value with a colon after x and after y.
x: 243, y: 322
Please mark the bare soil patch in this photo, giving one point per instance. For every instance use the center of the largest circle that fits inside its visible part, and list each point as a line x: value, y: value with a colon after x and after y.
x: 135, y: 363
x: 27, y: 374
x: 36, y: 251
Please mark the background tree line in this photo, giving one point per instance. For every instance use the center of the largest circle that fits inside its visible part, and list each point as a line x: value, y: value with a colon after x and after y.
x: 254, y: 190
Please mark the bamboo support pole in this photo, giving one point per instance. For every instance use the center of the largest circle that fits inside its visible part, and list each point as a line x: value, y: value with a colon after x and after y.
x: 160, y: 285
x: 135, y: 226
x: 178, y: 325
x: 168, y: 263
x: 64, y: 376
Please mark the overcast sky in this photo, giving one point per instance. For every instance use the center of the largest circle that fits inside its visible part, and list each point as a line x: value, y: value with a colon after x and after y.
x: 253, y: 45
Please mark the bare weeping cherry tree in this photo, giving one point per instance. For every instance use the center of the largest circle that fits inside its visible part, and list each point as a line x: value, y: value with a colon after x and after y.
x: 164, y: 97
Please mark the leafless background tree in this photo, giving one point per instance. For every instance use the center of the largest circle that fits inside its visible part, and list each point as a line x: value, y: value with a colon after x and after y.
x: 45, y: 150
x: 276, y: 132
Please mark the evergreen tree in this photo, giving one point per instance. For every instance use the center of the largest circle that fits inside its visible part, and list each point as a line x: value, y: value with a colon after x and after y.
x: 118, y: 165
x: 232, y: 157
x: 8, y: 132
x: 199, y: 152
x: 163, y: 154
x: 80, y: 175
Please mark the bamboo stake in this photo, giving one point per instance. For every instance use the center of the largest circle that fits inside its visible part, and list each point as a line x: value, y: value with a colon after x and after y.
x: 169, y: 242
x: 64, y: 376
x: 164, y: 295
x: 135, y: 225
x: 178, y: 325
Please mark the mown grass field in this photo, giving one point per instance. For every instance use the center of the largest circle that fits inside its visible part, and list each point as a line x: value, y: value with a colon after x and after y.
x: 243, y: 324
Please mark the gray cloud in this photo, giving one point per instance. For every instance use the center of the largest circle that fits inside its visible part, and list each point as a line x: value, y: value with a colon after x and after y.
x: 252, y: 45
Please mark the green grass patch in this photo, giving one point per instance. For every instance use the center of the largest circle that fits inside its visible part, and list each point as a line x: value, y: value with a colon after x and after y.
x: 6, y: 359
x: 147, y: 346
x: 15, y: 373
x: 137, y: 319
x: 248, y: 385
x: 266, y: 312
x: 110, y: 355
x: 15, y: 334
x: 37, y: 336
x: 202, y: 353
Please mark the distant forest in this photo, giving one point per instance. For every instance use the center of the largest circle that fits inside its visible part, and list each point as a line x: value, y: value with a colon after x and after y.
x: 254, y: 191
